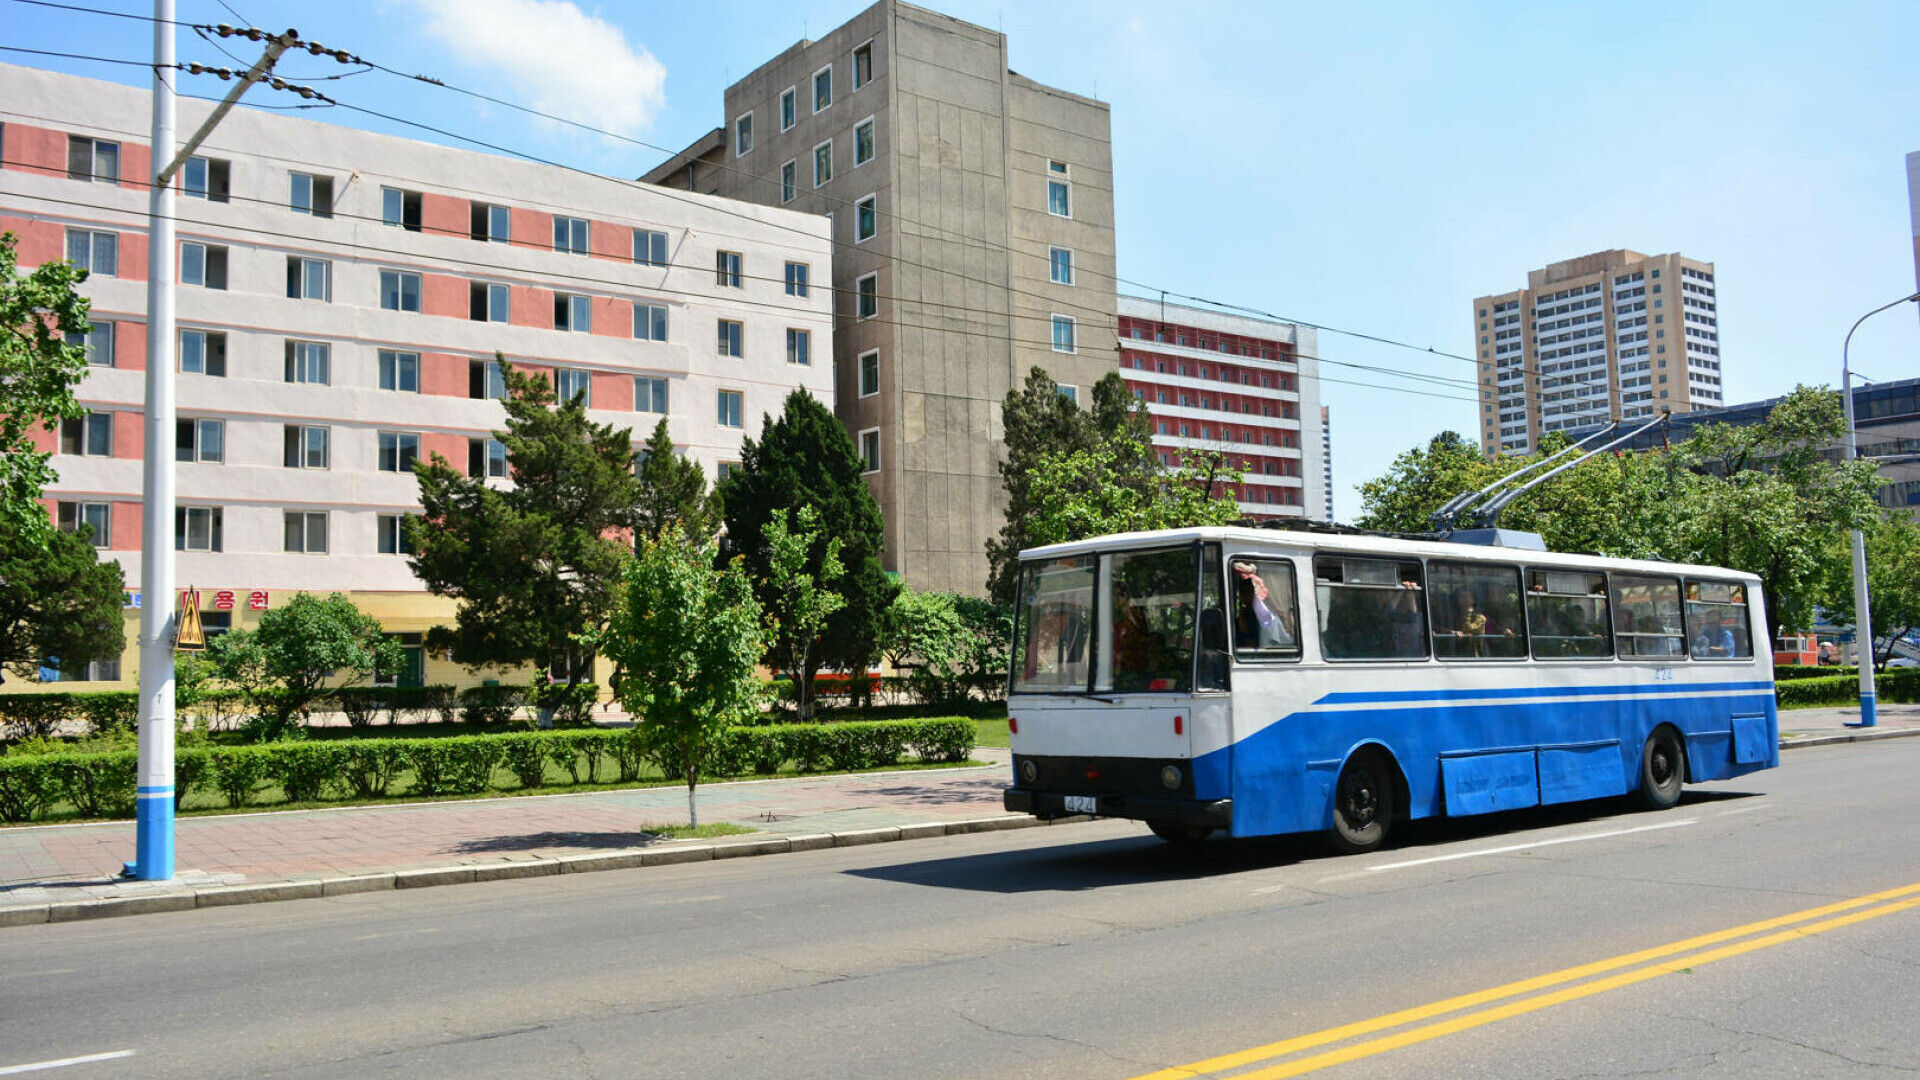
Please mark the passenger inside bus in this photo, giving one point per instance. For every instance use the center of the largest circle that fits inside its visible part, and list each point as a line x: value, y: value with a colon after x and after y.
x: 1261, y: 620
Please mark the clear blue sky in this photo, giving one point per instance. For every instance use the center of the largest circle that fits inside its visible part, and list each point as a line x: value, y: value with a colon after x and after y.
x: 1366, y: 167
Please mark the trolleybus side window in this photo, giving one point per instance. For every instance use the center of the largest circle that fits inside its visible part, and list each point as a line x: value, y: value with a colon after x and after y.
x: 1056, y: 626
x: 1150, y: 602
x: 1211, y: 672
x: 1567, y: 610
x: 1265, y: 607
x: 1717, y: 620
x: 1476, y: 611
x: 1370, y: 609
x: 1646, y: 616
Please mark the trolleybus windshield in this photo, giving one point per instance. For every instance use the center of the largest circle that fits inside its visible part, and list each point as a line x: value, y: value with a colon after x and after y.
x: 1119, y: 622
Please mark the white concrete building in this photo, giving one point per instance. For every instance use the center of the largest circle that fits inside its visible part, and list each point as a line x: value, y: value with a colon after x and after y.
x: 341, y: 296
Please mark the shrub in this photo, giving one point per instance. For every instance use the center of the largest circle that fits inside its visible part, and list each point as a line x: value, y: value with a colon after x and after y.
x: 238, y: 771
x: 27, y: 785
x: 361, y: 703
x: 526, y: 758
x: 442, y: 700
x: 370, y: 765
x: 629, y: 754
x: 305, y: 771
x: 491, y: 704
x: 1831, y: 690
x: 1785, y: 672
x: 34, y: 715
x: 569, y: 749
x: 112, y: 711
x: 99, y: 785
x: 189, y: 768
x: 944, y: 741
x: 461, y: 765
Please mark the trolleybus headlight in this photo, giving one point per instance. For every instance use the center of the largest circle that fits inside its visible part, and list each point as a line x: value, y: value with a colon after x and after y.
x: 1170, y: 776
x: 1029, y: 771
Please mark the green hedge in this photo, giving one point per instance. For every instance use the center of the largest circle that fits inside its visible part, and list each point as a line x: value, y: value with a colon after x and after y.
x: 28, y: 715
x: 1900, y: 686
x: 1787, y: 672
x: 102, y: 784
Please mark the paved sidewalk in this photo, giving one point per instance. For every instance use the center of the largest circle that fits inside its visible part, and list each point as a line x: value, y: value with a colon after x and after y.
x: 59, y: 872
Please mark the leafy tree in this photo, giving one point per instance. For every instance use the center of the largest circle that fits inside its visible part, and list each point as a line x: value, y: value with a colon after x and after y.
x: 38, y: 371
x: 1893, y: 581
x: 534, y: 565
x: 989, y: 639
x: 1092, y: 492
x: 923, y: 633
x: 1421, y: 480
x: 801, y: 602
x: 57, y: 599
x: 1043, y: 424
x: 805, y: 458
x: 673, y: 492
x: 281, y: 666
x: 688, y: 628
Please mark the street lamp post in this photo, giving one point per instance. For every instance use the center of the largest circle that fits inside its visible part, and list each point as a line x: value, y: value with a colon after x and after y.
x: 1862, y: 619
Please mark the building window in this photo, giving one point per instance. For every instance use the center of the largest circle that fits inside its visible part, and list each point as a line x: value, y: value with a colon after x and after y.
x: 729, y: 411
x: 823, y: 163
x: 823, y: 88
x: 1060, y: 266
x: 650, y: 322
x: 97, y: 516
x: 571, y: 383
x: 649, y: 247
x: 309, y: 279
x: 727, y: 269
x: 866, y: 293
x: 87, y: 436
x: 398, y: 451
x: 400, y: 209
x: 196, y: 528
x: 732, y: 334
x: 743, y: 135
x: 206, y: 178
x: 1063, y: 329
x: 870, y: 450
x: 863, y: 142
x: 306, y: 532
x: 203, y: 352
x: 866, y: 218
x: 204, y: 265
x: 1071, y: 393
x: 570, y: 235
x: 93, y: 159
x: 486, y: 380
x: 399, y: 290
x: 799, y: 347
x: 307, y: 446
x: 863, y: 65
x: 1059, y: 190
x: 487, y: 458
x: 309, y: 362
x: 392, y: 532
x: 788, y: 174
x: 573, y: 312
x: 200, y: 440
x: 488, y: 222
x: 869, y: 373
x: 312, y: 195
x: 486, y: 302
x: 400, y: 371
x: 94, y: 251
x: 649, y: 394
x: 789, y: 108
x: 97, y: 342
x: 724, y: 469
x: 797, y: 274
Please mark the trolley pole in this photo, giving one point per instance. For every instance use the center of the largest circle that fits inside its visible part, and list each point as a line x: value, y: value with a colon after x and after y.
x: 1862, y: 618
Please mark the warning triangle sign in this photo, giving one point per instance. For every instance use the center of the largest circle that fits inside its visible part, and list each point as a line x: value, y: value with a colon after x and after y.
x: 189, y: 636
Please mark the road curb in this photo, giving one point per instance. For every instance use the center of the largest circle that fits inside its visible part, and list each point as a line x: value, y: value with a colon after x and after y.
x: 466, y: 874
x: 1849, y: 736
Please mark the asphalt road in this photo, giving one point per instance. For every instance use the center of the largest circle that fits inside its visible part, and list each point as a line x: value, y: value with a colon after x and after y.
x: 1581, y: 942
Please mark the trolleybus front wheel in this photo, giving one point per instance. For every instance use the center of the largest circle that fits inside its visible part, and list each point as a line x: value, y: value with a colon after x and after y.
x: 1362, y: 804
x: 1179, y: 833
x: 1663, y: 768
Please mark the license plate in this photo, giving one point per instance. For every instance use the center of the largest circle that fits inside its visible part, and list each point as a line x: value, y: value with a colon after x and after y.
x: 1082, y: 804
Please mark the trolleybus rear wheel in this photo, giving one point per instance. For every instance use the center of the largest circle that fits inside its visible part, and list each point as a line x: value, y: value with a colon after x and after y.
x: 1663, y: 769
x: 1362, y: 804
x: 1175, y: 832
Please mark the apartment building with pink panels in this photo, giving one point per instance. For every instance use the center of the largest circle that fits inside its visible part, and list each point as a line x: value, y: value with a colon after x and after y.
x: 1247, y: 388
x: 341, y: 297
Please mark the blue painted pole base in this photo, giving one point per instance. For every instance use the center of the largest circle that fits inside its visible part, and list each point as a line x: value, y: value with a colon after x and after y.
x: 153, y: 835
x: 1867, y: 718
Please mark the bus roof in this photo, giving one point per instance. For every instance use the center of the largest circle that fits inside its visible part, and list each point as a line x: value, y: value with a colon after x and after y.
x: 1301, y: 541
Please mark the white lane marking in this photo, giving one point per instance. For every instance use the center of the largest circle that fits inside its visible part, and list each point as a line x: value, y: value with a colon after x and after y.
x: 37, y: 1066
x: 1531, y: 846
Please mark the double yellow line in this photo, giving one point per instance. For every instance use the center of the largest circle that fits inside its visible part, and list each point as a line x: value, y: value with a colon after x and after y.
x: 1531, y: 995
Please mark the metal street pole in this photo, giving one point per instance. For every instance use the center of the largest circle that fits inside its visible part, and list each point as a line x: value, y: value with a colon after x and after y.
x: 153, y: 814
x: 1862, y: 618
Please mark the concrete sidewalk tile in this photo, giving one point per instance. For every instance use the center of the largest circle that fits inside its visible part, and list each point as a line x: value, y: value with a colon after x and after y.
x: 431, y: 876
x: 517, y: 869
x: 667, y: 856
x: 810, y: 842
x: 124, y: 905
x: 587, y: 864
x: 746, y: 848
x: 923, y: 832
x: 357, y: 883
x: 257, y: 894
x: 26, y: 915
x: 856, y: 837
